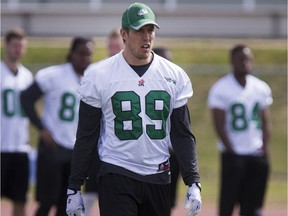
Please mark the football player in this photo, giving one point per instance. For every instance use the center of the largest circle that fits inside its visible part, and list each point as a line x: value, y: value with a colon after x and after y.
x: 239, y: 103
x: 58, y: 86
x: 137, y: 101
x: 14, y: 123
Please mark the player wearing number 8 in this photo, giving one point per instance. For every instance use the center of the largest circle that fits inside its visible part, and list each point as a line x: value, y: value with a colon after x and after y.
x: 58, y: 86
x: 240, y: 109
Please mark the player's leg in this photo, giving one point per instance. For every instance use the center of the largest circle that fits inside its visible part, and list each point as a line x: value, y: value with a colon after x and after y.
x: 156, y: 201
x: 19, y: 181
x: 255, y: 186
x: 5, y: 173
x: 18, y: 209
x: 232, y: 169
x: 91, y: 186
x: 89, y: 198
x: 48, y: 177
x: 119, y: 195
x: 63, y: 184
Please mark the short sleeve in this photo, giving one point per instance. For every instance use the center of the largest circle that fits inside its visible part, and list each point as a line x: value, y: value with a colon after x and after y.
x: 216, y: 99
x: 267, y: 96
x: 89, y: 93
x: 184, y: 93
x: 44, y: 80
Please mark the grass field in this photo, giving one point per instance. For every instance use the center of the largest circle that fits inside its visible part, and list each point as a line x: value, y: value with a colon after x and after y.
x: 205, y: 60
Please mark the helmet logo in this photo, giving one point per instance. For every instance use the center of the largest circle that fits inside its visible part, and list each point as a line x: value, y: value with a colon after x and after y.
x: 142, y: 12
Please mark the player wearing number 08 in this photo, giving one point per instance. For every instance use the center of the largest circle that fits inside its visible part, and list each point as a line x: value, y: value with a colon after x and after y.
x: 137, y: 102
x: 14, y: 123
x: 240, y: 108
x: 58, y: 86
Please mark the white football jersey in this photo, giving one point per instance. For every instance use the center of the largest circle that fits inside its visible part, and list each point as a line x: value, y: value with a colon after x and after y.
x: 242, y: 106
x: 61, y: 102
x: 14, y: 123
x: 136, y: 110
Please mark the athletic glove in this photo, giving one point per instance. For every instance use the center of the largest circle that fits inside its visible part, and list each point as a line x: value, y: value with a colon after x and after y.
x: 193, y: 197
x: 75, y: 205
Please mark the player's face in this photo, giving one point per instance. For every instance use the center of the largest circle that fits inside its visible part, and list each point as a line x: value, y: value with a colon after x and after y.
x: 242, y: 62
x: 82, y: 57
x: 138, y: 45
x: 15, y: 49
x: 115, y: 45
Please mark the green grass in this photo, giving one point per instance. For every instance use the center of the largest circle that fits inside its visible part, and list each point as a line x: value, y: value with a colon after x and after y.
x: 270, y: 54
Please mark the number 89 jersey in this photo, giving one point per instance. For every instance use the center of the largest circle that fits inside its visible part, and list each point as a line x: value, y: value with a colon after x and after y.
x: 136, y: 110
x: 59, y: 85
x: 242, y: 106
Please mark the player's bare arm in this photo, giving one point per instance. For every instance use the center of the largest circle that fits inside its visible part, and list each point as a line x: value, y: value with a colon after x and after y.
x: 219, y: 124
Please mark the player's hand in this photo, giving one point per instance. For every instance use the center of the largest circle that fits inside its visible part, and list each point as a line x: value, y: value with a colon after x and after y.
x: 75, y: 205
x: 193, y: 197
x: 48, y: 139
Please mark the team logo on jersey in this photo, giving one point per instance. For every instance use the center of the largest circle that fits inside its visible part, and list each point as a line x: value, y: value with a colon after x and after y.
x: 168, y: 79
x: 142, y: 12
x: 165, y: 166
x: 141, y: 82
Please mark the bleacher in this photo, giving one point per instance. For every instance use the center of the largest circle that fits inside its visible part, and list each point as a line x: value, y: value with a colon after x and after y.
x: 185, y: 18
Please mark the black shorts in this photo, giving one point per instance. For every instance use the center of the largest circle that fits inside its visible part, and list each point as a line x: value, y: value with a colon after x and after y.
x: 14, y: 176
x: 243, y: 181
x: 124, y: 196
x: 53, y: 170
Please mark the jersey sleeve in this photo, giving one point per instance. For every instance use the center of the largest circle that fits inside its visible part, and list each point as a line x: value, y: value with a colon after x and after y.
x: 44, y: 79
x: 185, y: 91
x: 89, y: 92
x: 86, y: 144
x: 267, y: 99
x: 29, y: 76
x: 28, y: 98
x: 216, y: 98
x: 184, y: 145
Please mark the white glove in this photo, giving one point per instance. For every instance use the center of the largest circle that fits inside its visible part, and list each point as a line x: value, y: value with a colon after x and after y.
x: 75, y: 205
x: 193, y: 196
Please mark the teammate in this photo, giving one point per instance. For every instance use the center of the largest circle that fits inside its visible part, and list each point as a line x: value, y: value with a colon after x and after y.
x: 58, y: 86
x: 14, y: 124
x: 240, y: 107
x: 164, y: 52
x: 174, y: 166
x: 141, y: 100
x: 114, y: 45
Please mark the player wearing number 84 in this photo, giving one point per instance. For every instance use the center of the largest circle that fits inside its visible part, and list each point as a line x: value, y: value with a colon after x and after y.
x: 240, y: 103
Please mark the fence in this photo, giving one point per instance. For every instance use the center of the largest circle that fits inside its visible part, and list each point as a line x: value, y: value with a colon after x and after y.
x: 182, y: 18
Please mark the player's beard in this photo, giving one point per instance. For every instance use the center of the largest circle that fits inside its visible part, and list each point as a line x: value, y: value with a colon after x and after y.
x: 143, y: 53
x: 138, y: 57
x: 143, y: 56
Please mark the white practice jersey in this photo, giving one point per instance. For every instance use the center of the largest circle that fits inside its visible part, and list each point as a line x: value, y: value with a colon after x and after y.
x: 14, y: 123
x: 61, y: 102
x: 136, y: 110
x: 242, y: 106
